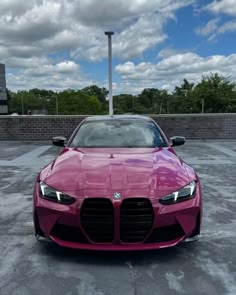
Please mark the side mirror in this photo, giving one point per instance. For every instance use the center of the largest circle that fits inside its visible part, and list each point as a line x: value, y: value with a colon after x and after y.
x: 59, y: 141
x: 177, y: 140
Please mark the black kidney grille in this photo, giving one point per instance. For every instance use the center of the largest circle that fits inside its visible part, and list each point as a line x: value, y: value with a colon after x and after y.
x: 97, y: 219
x: 136, y: 219
x: 166, y: 234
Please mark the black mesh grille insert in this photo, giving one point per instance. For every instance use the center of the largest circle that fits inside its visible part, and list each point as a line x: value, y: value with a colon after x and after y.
x: 136, y: 218
x: 165, y: 234
x: 69, y: 233
x: 97, y: 219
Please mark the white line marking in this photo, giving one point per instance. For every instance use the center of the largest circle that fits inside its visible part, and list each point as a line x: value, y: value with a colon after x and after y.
x: 195, y: 161
x: 222, y: 149
x: 28, y: 157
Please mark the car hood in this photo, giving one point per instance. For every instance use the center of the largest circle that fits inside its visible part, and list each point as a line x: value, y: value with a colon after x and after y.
x: 157, y: 170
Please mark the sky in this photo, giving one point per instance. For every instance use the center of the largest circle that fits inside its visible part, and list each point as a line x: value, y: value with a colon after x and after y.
x: 60, y: 44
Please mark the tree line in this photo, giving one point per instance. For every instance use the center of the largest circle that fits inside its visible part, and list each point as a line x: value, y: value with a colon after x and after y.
x: 213, y: 94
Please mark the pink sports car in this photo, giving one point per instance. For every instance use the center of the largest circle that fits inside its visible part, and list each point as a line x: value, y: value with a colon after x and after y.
x: 117, y: 185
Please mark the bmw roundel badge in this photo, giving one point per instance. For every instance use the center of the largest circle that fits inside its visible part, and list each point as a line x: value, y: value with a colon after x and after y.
x: 116, y: 196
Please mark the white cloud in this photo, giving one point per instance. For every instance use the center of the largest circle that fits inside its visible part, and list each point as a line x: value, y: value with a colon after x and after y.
x: 222, y: 6
x: 44, y: 73
x: 212, y: 29
x: 144, y: 33
x: 169, y: 51
x: 27, y: 62
x: 67, y: 67
x: 209, y: 28
x: 172, y: 70
x: 217, y: 26
x: 229, y: 26
x: 130, y: 87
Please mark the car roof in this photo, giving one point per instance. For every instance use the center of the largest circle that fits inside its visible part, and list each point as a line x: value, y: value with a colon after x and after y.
x: 117, y: 117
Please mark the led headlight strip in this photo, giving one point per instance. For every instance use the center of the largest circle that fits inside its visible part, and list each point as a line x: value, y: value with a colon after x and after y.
x: 184, y: 194
x: 50, y: 194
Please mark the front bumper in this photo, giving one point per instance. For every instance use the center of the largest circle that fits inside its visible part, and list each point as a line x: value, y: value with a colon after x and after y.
x: 170, y: 224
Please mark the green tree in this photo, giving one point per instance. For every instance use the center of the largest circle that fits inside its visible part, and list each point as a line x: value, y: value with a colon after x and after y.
x: 183, y: 98
x: 75, y: 102
x: 217, y: 92
x: 148, y: 98
x: 100, y: 93
x: 24, y: 101
x: 123, y: 103
x: 153, y: 101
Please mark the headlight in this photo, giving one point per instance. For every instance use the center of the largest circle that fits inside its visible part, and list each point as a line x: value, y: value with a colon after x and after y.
x: 185, y: 193
x: 53, y: 195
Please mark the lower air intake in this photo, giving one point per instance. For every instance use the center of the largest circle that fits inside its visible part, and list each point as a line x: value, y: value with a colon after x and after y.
x: 69, y: 233
x: 166, y: 234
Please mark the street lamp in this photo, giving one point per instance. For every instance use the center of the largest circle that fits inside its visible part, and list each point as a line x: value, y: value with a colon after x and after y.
x: 22, y: 104
x: 56, y: 105
x: 203, y: 105
x: 109, y: 34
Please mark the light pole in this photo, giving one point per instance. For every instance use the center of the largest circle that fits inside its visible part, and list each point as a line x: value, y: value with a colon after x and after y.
x: 22, y: 104
x: 203, y: 102
x: 109, y: 34
x: 56, y: 105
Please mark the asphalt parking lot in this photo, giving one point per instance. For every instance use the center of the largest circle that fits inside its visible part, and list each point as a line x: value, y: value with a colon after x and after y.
x: 205, y: 267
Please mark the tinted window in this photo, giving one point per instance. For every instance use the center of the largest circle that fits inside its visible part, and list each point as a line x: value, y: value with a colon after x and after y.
x: 118, y: 133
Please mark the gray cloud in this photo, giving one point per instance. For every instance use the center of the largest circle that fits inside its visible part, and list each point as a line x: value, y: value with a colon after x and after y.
x: 35, y: 24
x: 78, y: 26
x: 114, y: 13
x: 12, y: 8
x: 33, y: 31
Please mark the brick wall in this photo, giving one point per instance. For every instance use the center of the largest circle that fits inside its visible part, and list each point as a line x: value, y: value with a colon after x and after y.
x: 194, y: 126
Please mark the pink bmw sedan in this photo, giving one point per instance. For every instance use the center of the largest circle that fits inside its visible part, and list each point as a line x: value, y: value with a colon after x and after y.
x: 117, y: 185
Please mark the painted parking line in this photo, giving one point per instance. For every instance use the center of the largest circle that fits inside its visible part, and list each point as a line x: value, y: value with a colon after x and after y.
x: 27, y: 158
x: 196, y: 161
x: 222, y: 149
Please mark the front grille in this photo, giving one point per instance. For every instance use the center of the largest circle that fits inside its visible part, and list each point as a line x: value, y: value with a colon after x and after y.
x: 97, y: 219
x: 69, y: 233
x: 166, y: 234
x: 136, y: 219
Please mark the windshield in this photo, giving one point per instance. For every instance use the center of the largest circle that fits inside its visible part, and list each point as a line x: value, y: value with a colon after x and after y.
x: 118, y: 133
